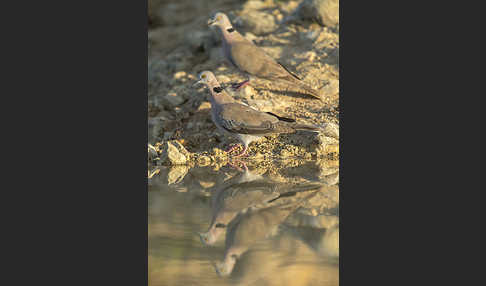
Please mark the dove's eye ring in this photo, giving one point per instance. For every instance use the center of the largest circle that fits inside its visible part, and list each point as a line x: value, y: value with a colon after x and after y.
x: 218, y: 18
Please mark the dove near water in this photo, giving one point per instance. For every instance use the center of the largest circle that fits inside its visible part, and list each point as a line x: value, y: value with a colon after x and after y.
x: 251, y: 227
x: 244, y: 122
x: 245, y: 191
x: 253, y: 61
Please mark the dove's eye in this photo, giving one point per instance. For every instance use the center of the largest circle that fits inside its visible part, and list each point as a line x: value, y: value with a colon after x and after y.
x: 218, y: 18
x: 220, y: 225
x: 203, y: 76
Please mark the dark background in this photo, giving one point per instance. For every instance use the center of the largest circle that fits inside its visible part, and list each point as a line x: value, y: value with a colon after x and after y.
x: 77, y: 195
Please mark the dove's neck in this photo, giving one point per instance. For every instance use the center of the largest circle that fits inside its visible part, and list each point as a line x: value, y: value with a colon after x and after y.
x: 230, y: 35
x: 218, y: 94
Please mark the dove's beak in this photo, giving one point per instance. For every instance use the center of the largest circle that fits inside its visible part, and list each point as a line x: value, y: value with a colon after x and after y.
x: 211, y: 22
x: 197, y: 83
x: 203, y: 237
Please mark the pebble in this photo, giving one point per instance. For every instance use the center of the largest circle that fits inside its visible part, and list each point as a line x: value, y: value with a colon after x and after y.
x: 174, y: 153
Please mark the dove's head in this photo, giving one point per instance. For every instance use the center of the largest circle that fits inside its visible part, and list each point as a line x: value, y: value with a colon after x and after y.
x: 207, y: 78
x: 224, y: 268
x: 207, y: 238
x: 221, y: 20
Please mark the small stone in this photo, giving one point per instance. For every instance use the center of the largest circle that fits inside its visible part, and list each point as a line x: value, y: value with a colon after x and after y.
x: 253, y: 5
x: 203, y: 160
x: 258, y: 155
x: 174, y: 153
x: 179, y: 75
x: 257, y: 22
x: 222, y: 78
x: 331, y: 130
x: 177, y: 174
x: 285, y: 153
x: 313, y: 34
x: 332, y: 179
x: 206, y: 184
x: 153, y: 173
x: 248, y: 91
x: 181, y: 190
x: 155, y: 128
x: 325, y: 12
x: 331, y: 89
x: 174, y: 99
x: 152, y: 152
x: 204, y: 105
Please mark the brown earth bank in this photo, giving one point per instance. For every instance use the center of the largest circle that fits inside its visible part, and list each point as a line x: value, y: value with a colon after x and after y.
x: 302, y: 35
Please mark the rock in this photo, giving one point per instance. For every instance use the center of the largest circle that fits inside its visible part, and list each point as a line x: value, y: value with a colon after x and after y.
x: 223, y: 79
x: 179, y: 75
x: 257, y: 22
x: 174, y: 99
x: 176, y: 174
x: 285, y: 153
x: 254, y: 5
x: 331, y: 89
x: 324, y: 12
x: 326, y: 171
x: 156, y: 70
x: 203, y: 160
x: 201, y: 40
x: 207, y: 185
x: 248, y: 91
x: 153, y: 173
x: 332, y: 179
x: 174, y: 153
x: 331, y: 130
x: 155, y: 128
x: 152, y: 152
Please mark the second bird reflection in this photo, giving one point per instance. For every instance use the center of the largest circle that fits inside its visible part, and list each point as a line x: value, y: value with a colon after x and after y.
x: 249, y: 208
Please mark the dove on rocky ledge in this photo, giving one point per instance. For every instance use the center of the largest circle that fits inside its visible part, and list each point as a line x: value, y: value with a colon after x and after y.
x: 253, y: 60
x: 244, y: 122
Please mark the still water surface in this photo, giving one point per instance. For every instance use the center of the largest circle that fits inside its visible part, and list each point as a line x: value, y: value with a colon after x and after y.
x: 237, y: 227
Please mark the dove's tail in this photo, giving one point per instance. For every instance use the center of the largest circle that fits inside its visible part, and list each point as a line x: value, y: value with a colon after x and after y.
x: 309, y: 90
x: 301, y: 87
x: 291, y: 191
x: 307, y: 127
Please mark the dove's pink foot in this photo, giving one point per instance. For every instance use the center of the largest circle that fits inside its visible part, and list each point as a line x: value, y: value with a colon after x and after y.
x: 242, y: 153
x: 231, y: 148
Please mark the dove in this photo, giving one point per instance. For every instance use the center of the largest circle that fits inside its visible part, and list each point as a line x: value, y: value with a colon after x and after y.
x: 244, y: 191
x: 251, y: 227
x: 253, y: 60
x: 242, y: 121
